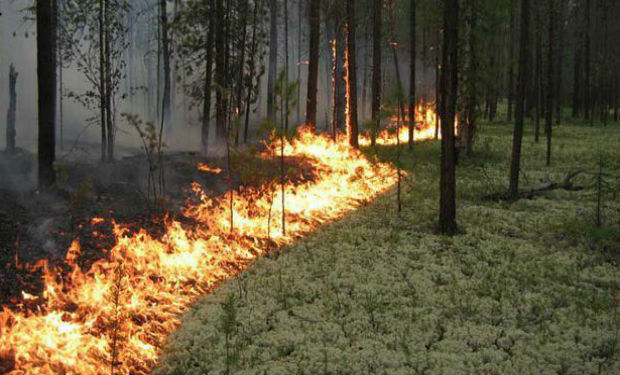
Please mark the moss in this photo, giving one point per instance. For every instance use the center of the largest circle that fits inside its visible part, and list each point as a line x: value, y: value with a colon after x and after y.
x: 528, y: 287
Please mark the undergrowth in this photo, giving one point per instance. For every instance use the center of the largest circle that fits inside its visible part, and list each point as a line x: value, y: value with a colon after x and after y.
x: 527, y: 287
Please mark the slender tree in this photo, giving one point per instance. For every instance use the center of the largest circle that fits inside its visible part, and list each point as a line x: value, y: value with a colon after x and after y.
x: 412, y: 75
x: 273, y: 60
x: 313, y: 68
x: 46, y: 83
x: 550, y: 80
x: 221, y: 72
x: 351, y: 74
x: 165, y: 43
x: 515, y: 164
x: 206, y: 104
x: 10, y: 116
x: 449, y: 87
x: 377, y: 26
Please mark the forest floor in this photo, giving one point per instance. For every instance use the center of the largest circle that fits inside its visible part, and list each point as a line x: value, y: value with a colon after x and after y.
x: 526, y: 287
x: 38, y: 225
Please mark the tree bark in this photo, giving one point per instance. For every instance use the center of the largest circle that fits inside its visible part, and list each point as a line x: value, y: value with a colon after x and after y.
x: 550, y: 80
x: 351, y: 80
x: 10, y: 117
x: 206, y: 103
x: 377, y: 26
x: 273, y: 60
x: 472, y: 100
x: 46, y: 82
x: 221, y: 97
x: 587, y: 88
x: 412, y: 75
x: 313, y: 68
x: 511, y: 64
x: 165, y: 105
x: 449, y: 88
x: 102, y: 81
x: 524, y: 55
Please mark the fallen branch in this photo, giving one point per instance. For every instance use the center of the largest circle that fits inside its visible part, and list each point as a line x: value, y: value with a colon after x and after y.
x: 533, y: 191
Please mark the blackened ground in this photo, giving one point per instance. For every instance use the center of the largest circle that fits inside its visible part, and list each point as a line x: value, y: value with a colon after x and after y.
x: 37, y: 225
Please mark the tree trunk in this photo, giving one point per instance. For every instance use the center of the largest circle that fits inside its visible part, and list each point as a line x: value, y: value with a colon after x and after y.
x: 470, y: 126
x: 559, y: 63
x: 438, y: 68
x: 511, y: 64
x: 313, y: 68
x: 108, y: 79
x: 550, y: 80
x: 10, y: 117
x: 351, y: 77
x: 46, y: 83
x: 412, y: 76
x: 206, y: 104
x: 221, y: 97
x: 524, y: 55
x: 538, y: 86
x: 102, y: 81
x: 377, y: 26
x: 286, y: 60
x: 449, y: 88
x: 577, y: 82
x: 165, y: 105
x: 273, y: 60
x: 250, y: 82
x: 299, y: 28
x: 587, y: 88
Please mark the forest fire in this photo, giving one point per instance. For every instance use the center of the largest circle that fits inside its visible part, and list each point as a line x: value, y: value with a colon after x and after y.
x: 115, y: 316
x: 426, y: 121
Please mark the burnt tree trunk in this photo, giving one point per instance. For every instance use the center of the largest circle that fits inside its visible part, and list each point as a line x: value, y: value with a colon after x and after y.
x: 449, y: 88
x: 10, y: 116
x: 313, y: 68
x: 250, y: 82
x: 377, y: 26
x: 524, y: 55
x: 46, y: 83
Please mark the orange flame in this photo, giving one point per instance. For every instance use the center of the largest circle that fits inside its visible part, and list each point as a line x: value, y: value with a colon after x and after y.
x: 425, y: 120
x: 205, y: 168
x: 127, y: 303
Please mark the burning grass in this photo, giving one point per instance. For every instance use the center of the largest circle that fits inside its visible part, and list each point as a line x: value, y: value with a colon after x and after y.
x: 529, y: 287
x: 115, y: 316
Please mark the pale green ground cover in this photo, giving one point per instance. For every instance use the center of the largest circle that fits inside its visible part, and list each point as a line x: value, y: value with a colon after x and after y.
x: 531, y: 287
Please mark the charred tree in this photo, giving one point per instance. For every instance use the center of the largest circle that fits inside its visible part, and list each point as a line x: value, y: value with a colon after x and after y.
x: 377, y: 26
x: 515, y: 163
x: 10, y: 116
x: 449, y: 87
x: 46, y: 83
x: 351, y: 76
x: 313, y: 68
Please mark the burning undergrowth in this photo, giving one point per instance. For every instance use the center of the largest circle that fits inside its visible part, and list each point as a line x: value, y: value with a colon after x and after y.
x: 114, y: 315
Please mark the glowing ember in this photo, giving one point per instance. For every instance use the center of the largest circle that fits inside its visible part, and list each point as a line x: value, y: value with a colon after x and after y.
x: 115, y: 316
x: 205, y: 168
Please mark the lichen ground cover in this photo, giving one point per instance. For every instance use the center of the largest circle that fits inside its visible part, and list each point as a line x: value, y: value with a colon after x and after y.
x: 526, y: 287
